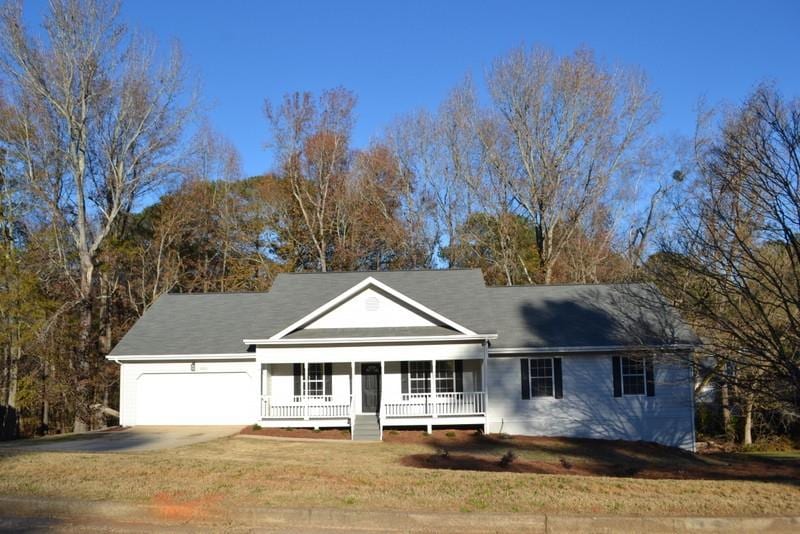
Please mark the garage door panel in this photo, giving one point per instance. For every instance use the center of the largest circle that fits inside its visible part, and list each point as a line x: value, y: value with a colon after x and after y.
x: 194, y: 399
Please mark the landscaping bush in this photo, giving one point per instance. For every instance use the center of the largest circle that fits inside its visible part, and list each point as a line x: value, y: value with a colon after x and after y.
x: 507, y: 459
x: 771, y: 444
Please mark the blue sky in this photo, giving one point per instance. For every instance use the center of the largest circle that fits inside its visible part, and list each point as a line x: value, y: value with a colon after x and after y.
x: 400, y: 56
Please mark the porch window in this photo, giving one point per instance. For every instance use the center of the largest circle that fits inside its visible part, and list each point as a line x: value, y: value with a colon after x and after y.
x: 318, y: 383
x: 633, y: 375
x: 541, y: 377
x: 419, y: 375
x: 445, y: 377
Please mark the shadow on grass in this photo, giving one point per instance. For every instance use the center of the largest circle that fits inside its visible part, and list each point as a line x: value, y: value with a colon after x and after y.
x: 566, y: 456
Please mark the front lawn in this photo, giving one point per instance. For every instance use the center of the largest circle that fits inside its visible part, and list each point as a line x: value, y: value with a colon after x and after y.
x: 236, y: 472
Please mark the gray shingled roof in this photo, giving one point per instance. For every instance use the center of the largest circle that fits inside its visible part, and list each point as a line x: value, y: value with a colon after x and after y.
x: 584, y: 316
x: 455, y: 294
x: 210, y: 323
x: 522, y: 316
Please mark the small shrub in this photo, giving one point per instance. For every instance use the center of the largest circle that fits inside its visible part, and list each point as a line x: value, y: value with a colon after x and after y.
x: 393, y: 432
x: 450, y: 434
x: 444, y: 453
x: 256, y: 427
x: 565, y: 463
x: 771, y: 444
x: 426, y: 433
x: 507, y: 459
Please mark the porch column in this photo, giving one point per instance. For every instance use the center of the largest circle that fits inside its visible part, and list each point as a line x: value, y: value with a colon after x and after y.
x: 352, y: 389
x: 304, y: 391
x: 485, y: 400
x: 433, y: 389
x: 381, y: 410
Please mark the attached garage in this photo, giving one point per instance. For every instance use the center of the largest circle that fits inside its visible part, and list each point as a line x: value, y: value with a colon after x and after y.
x: 172, y: 393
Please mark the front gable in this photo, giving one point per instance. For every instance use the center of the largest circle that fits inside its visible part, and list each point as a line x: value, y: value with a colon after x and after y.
x: 372, y: 309
x: 371, y: 304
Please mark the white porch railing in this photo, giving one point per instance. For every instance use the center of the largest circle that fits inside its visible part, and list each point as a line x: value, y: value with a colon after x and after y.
x: 423, y: 404
x: 299, y: 407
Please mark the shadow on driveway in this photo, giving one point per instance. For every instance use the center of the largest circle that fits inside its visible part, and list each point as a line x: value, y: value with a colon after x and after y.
x: 140, y: 438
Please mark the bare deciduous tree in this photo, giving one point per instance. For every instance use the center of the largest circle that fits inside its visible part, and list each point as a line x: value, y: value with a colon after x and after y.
x: 101, y: 120
x: 567, y: 129
x: 312, y: 143
x: 734, y: 266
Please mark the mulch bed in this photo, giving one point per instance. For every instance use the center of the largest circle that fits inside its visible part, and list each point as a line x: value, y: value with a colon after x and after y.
x: 472, y: 451
x: 304, y: 433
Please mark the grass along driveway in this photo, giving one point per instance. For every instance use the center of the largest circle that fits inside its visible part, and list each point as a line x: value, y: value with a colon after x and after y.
x: 234, y: 472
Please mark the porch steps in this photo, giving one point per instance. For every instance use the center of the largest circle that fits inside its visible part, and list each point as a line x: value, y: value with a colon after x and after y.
x: 366, y: 428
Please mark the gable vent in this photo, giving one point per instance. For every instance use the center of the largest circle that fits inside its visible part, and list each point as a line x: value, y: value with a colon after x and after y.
x: 372, y: 304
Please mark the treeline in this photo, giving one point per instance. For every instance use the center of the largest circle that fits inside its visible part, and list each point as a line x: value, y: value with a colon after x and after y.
x: 108, y: 202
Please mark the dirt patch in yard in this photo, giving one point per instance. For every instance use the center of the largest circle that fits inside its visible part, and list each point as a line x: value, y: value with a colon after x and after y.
x: 304, y: 433
x: 472, y: 451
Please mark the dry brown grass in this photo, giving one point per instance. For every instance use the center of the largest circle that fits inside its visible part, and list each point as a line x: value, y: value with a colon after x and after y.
x: 253, y: 472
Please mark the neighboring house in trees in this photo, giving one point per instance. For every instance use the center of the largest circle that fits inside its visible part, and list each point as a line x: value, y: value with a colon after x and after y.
x: 371, y: 350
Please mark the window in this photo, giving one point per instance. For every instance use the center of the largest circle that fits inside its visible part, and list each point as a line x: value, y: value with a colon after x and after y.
x: 541, y: 371
x: 633, y: 375
x: 445, y: 377
x: 315, y: 386
x: 419, y: 374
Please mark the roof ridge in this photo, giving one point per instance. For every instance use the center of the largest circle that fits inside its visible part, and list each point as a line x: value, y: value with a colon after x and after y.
x: 570, y: 284
x: 373, y: 271
x: 216, y: 293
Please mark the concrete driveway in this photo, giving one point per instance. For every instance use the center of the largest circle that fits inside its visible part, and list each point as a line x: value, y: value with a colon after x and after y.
x: 140, y: 438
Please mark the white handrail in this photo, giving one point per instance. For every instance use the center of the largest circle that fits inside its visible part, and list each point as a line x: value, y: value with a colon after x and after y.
x: 425, y: 404
x: 304, y: 407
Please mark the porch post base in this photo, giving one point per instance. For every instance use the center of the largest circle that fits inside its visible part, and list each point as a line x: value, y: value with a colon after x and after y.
x: 430, y: 428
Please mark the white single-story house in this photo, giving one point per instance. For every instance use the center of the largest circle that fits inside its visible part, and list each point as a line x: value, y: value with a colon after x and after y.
x: 375, y: 350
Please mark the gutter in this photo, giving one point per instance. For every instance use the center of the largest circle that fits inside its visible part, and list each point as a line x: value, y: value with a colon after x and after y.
x: 367, y: 340
x: 600, y: 348
x: 189, y: 357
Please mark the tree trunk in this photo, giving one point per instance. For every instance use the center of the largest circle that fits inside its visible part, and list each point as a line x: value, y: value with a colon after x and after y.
x: 747, y: 431
x: 725, y: 401
x: 85, y: 355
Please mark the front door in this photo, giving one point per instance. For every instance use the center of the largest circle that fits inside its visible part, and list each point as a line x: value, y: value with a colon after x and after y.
x: 370, y: 387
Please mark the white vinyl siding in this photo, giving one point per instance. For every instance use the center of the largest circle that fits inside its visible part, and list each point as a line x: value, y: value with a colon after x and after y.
x: 588, y: 408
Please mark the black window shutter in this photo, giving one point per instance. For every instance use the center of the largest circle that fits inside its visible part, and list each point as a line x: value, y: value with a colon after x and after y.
x: 328, y: 370
x: 617, y: 376
x: 649, y: 375
x: 525, y: 378
x: 404, y: 377
x: 459, y: 376
x: 557, y: 380
x: 298, y: 372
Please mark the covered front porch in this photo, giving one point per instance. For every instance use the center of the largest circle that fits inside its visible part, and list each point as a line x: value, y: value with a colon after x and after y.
x: 397, y: 393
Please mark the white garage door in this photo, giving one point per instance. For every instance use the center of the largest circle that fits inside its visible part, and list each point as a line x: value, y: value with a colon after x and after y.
x: 194, y: 399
